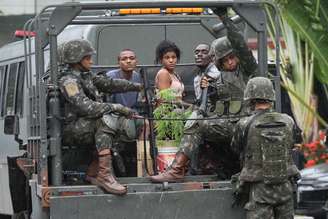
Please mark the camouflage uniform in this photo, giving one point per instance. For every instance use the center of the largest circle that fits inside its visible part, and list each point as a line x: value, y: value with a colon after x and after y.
x: 230, y: 87
x: 226, y: 102
x: 89, y: 121
x: 84, y: 107
x: 202, y: 160
x: 267, y: 178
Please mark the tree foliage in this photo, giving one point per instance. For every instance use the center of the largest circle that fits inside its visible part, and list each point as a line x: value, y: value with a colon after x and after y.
x: 305, y: 41
x: 309, y: 18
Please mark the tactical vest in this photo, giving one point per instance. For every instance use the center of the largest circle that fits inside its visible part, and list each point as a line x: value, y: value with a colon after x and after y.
x: 267, y: 155
x: 230, y: 92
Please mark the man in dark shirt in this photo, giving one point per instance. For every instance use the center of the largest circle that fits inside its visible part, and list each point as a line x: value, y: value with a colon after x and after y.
x: 127, y: 61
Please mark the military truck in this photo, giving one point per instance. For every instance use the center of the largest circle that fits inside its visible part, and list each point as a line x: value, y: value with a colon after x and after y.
x: 35, y: 182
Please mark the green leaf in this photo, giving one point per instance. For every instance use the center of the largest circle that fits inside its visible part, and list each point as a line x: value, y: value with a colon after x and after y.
x: 169, y: 129
x: 300, y: 18
x: 298, y: 65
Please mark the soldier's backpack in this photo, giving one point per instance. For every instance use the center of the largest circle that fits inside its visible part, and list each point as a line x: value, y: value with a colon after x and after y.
x: 270, y: 140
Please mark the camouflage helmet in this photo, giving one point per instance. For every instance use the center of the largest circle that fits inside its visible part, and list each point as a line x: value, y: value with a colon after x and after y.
x: 60, y: 53
x: 259, y: 88
x: 221, y: 47
x: 75, y: 50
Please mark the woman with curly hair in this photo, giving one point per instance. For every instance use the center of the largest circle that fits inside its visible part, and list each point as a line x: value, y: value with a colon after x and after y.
x: 168, y: 54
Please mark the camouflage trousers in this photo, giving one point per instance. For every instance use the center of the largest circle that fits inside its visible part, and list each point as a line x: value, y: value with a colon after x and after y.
x: 87, y: 132
x: 94, y: 132
x: 212, y: 130
x: 270, y: 201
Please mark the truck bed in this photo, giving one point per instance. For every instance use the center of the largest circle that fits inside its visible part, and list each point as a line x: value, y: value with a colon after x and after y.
x: 196, y: 197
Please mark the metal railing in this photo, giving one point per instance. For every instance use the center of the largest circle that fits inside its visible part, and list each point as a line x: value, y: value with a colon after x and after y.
x: 51, y: 21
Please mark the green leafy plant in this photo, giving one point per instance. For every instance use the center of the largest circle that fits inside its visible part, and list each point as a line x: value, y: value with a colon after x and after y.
x: 298, y: 61
x: 309, y: 19
x: 170, y: 118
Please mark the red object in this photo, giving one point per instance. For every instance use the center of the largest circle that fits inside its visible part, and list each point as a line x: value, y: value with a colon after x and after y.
x: 22, y: 33
x: 252, y: 43
x: 310, y: 163
x: 165, y: 157
x: 322, y: 136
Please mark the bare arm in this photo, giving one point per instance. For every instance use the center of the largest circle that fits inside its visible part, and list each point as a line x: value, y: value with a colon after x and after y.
x: 163, y: 79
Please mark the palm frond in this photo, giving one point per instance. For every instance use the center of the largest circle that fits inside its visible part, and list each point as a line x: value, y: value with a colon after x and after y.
x: 297, y: 71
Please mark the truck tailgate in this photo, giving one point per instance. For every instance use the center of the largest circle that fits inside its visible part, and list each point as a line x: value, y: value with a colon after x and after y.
x: 189, y: 200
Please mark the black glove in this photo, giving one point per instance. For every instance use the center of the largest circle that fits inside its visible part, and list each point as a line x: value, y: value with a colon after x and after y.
x: 220, y: 11
x: 101, y: 73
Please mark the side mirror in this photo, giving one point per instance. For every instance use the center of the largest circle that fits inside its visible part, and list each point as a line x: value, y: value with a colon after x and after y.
x: 11, y: 125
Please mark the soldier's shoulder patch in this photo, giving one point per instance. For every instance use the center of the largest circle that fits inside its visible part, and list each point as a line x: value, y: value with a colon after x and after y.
x: 71, y: 87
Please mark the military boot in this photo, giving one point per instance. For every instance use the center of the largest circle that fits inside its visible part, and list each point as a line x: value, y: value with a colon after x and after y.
x: 105, y: 177
x: 175, y: 173
x: 92, y: 170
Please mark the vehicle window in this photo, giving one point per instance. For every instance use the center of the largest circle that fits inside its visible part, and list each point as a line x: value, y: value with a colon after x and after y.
x: 11, y: 85
x: 20, y: 88
x: 3, y: 80
x: 194, y: 33
x: 143, y: 39
x: 2, y: 73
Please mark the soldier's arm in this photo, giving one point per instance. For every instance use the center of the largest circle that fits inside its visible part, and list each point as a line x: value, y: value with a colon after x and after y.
x: 236, y: 143
x: 74, y: 94
x: 109, y: 85
x: 238, y: 140
x: 246, y: 58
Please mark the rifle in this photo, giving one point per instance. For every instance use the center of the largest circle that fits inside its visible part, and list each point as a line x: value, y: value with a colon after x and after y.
x: 153, y: 148
x: 203, y: 101
x: 204, y: 95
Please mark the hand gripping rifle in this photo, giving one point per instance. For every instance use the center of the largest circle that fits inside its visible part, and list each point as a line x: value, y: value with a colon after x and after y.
x: 213, y: 75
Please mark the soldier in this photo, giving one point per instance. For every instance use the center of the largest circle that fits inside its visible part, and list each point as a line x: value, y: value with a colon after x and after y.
x: 265, y: 140
x: 236, y: 64
x: 88, y: 120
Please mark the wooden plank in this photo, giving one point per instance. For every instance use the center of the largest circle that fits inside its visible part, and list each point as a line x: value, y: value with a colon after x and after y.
x: 141, y: 169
